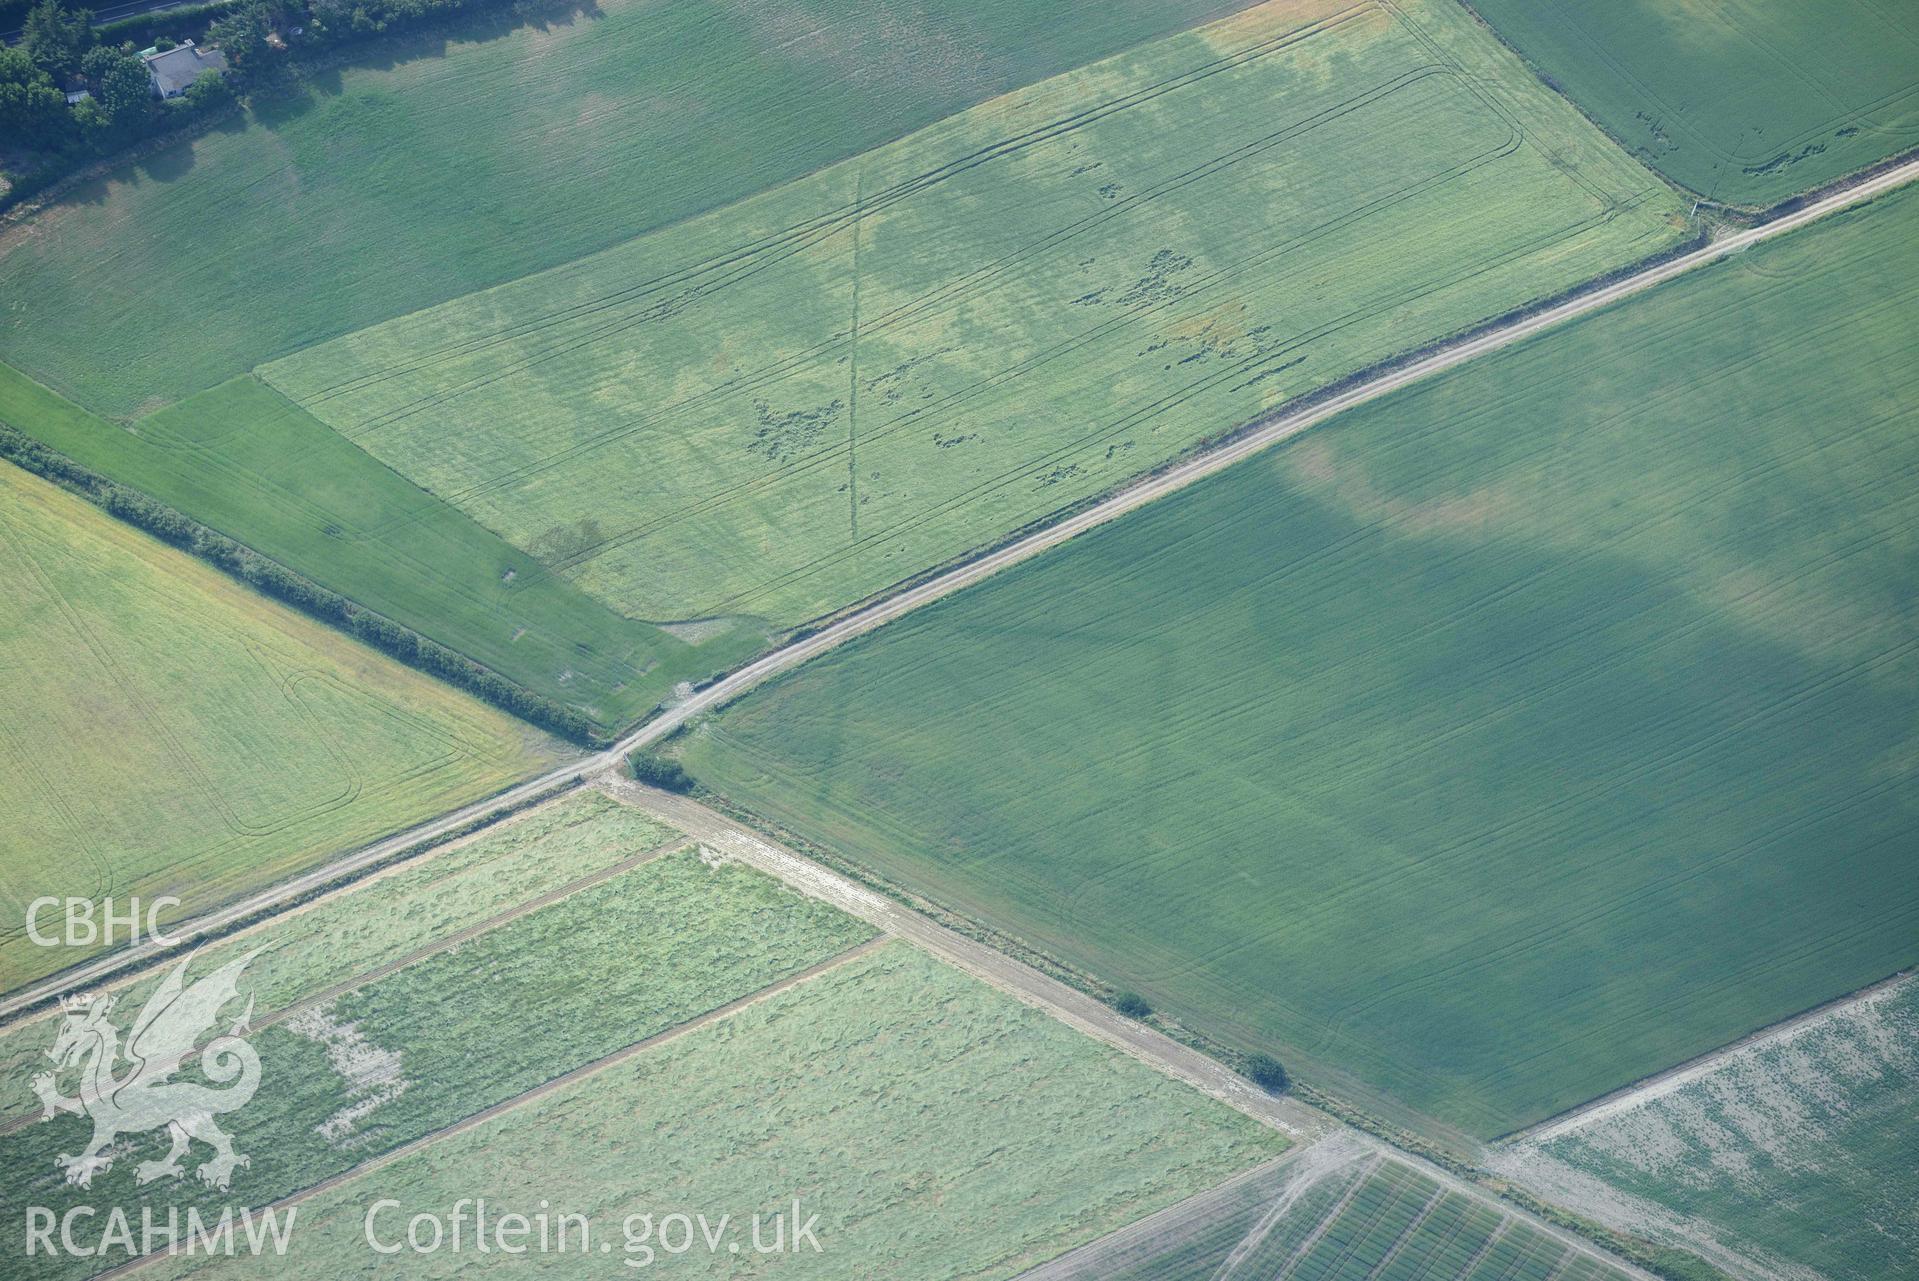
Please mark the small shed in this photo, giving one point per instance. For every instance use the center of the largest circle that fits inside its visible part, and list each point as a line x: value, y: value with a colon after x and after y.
x: 174, y: 69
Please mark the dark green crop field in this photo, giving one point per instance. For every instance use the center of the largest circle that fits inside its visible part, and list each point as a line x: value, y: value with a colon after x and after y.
x: 1749, y: 101
x: 1503, y: 742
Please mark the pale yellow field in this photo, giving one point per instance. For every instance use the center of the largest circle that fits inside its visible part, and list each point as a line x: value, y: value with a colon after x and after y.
x: 164, y: 730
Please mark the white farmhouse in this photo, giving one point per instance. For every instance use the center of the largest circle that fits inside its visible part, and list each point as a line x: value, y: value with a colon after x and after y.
x: 174, y: 69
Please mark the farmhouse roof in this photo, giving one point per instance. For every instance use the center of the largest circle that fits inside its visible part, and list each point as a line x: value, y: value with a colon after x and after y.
x: 174, y: 69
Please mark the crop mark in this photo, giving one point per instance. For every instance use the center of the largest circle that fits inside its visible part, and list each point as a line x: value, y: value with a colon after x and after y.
x: 853, y: 370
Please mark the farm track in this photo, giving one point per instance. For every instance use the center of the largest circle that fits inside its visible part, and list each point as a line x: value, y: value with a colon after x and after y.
x: 1272, y: 431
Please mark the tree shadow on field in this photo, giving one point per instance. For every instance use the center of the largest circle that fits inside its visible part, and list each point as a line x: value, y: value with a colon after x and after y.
x: 168, y: 164
x: 158, y: 163
x: 301, y: 88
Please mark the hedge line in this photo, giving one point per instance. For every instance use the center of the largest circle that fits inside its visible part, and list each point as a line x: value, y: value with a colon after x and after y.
x: 297, y: 590
x: 185, y: 21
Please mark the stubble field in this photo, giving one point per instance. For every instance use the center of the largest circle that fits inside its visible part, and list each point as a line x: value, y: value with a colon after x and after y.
x: 1342, y: 1211
x: 1794, y: 1152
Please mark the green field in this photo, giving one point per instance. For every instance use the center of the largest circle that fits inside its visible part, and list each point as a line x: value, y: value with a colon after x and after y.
x: 454, y: 163
x: 1355, y: 1216
x: 244, y: 460
x: 1748, y: 101
x: 1501, y: 743
x: 1026, y: 304
x: 389, y: 917
x: 1796, y: 1151
x: 932, y: 1117
x: 937, y: 1127
x: 165, y: 731
x: 658, y: 464
x: 476, y: 1021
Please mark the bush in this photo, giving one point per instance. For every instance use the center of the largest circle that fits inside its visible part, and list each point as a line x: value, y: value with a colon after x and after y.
x: 1265, y: 1071
x: 657, y: 771
x: 210, y: 92
x: 1132, y: 1005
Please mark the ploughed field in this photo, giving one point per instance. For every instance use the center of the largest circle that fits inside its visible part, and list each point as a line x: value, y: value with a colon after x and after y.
x: 780, y: 408
x: 1499, y: 744
x: 165, y: 731
x: 584, y: 1009
x: 1747, y: 101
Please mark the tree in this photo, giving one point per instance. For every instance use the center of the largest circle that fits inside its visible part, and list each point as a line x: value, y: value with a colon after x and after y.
x: 32, y: 108
x: 209, y: 92
x: 1265, y: 1071
x: 120, y: 83
x: 56, y: 38
x: 1132, y: 1005
x: 242, y: 37
x: 658, y: 772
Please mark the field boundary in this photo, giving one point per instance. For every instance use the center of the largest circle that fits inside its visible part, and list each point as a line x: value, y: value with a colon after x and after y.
x: 233, y: 919
x: 811, y: 869
x: 1270, y: 429
x: 1305, y: 1122
x: 444, y: 942
x: 1173, y: 1218
x: 1648, y: 1088
x: 1255, y: 438
x: 273, y: 578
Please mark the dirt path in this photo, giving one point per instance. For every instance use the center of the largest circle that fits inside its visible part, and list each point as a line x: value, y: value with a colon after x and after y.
x: 1283, y: 427
x: 1069, y: 1005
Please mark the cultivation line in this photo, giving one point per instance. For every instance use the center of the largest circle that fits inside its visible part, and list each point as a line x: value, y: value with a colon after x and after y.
x: 1274, y: 431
